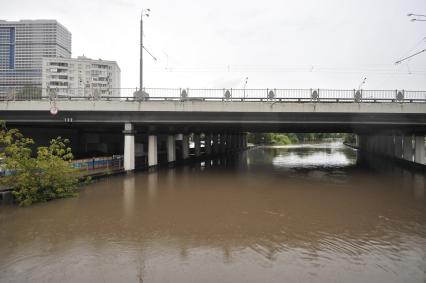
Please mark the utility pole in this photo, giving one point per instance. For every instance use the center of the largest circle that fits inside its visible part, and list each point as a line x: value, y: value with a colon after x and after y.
x: 420, y: 18
x: 141, y: 56
x: 144, y: 13
x: 245, y: 84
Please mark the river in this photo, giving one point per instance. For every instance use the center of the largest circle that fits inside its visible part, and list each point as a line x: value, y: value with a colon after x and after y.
x: 306, y: 213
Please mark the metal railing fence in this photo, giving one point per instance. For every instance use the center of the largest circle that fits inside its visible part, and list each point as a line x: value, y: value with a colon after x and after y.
x: 226, y: 95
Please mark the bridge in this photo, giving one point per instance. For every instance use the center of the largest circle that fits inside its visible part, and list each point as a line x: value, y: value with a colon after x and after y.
x: 154, y: 121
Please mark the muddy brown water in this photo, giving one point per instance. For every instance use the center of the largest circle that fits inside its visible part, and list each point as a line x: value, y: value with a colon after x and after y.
x: 310, y: 213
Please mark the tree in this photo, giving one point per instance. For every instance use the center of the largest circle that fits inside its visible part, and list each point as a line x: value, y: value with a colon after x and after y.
x: 47, y: 175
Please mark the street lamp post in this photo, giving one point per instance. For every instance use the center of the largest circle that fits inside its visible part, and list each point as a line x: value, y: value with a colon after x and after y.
x: 362, y: 83
x: 422, y: 17
x: 245, y: 84
x: 145, y: 13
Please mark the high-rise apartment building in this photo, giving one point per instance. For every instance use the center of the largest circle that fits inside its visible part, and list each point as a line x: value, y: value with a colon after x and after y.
x: 81, y: 76
x: 23, y: 44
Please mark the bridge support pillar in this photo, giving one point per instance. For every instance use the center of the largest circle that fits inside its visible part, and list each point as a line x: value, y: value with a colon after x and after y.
x: 222, y: 143
x: 408, y: 147
x: 384, y: 145
x: 419, y: 154
x: 215, y: 143
x: 185, y: 146
x: 171, y: 148
x: 129, y: 147
x: 208, y: 143
x: 242, y: 141
x: 390, y: 148
x: 398, y: 146
x: 197, y: 148
x: 152, y: 151
x: 229, y: 142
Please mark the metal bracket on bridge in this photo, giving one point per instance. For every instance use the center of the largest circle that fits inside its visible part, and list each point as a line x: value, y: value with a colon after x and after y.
x: 272, y: 94
x: 141, y: 95
x: 184, y: 94
x: 399, y: 95
x: 315, y: 95
x: 228, y: 94
x: 358, y: 95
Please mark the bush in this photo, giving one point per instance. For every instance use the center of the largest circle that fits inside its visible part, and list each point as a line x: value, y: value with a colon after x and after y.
x: 46, y: 176
x: 281, y: 139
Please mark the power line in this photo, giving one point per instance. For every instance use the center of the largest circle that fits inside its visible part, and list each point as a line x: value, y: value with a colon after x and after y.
x: 411, y: 56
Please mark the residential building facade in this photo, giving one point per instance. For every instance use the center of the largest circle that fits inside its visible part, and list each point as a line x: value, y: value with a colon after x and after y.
x: 23, y: 44
x: 81, y: 76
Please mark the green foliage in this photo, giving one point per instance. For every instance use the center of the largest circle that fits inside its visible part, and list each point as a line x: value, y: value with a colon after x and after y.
x: 272, y: 138
x: 292, y: 138
x: 43, y: 177
x: 280, y: 139
x: 349, y: 138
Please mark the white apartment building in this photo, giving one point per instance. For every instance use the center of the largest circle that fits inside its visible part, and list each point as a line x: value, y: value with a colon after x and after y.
x: 81, y: 76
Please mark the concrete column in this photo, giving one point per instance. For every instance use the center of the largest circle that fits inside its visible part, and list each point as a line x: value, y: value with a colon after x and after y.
x: 376, y: 145
x: 215, y: 143
x: 129, y: 147
x: 208, y: 144
x: 237, y: 141
x: 383, y: 145
x: 367, y: 143
x: 391, y: 146
x: 152, y: 151
x: 185, y: 147
x: 222, y: 142
x: 171, y: 148
x: 398, y: 146
x: 408, y: 147
x: 419, y: 154
x: 229, y: 142
x: 197, y: 149
x: 371, y: 144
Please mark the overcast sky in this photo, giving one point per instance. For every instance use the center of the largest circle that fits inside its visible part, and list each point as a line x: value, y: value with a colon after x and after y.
x: 217, y: 44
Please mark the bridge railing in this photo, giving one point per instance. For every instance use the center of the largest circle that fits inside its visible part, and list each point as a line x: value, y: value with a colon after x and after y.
x: 226, y: 95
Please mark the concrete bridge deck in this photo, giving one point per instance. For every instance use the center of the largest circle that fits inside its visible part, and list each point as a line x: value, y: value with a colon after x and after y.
x: 243, y: 116
x: 387, y: 122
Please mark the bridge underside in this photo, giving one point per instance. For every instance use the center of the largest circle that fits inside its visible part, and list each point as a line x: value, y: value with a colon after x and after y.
x: 178, y: 122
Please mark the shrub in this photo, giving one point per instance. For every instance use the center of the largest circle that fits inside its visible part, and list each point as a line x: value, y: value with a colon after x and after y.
x: 43, y: 177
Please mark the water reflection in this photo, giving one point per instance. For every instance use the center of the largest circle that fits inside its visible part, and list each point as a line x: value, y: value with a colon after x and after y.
x: 268, y: 215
